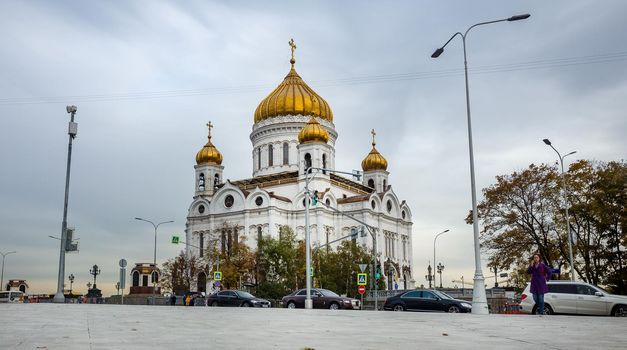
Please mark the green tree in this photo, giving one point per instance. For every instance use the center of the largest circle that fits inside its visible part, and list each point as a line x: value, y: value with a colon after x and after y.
x: 237, y: 262
x: 523, y: 213
x: 280, y: 264
x: 178, y: 273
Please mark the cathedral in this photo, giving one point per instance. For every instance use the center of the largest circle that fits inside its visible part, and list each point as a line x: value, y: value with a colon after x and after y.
x: 293, y: 130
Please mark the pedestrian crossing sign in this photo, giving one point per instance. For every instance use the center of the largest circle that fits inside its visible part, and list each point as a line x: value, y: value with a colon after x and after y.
x: 361, y: 279
x: 175, y: 239
x: 217, y: 276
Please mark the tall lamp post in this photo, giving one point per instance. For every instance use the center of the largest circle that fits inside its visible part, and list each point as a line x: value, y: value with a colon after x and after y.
x: 430, y: 277
x: 479, y: 298
x: 4, y: 255
x: 565, y: 191
x: 153, y: 276
x: 434, y: 239
x: 72, y: 131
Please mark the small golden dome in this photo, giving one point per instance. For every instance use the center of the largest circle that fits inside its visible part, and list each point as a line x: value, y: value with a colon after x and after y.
x: 374, y: 160
x: 209, y: 154
x: 293, y: 97
x: 313, y: 132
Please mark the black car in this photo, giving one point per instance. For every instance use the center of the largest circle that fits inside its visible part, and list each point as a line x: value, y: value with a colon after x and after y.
x: 321, y: 299
x: 236, y: 298
x: 426, y: 300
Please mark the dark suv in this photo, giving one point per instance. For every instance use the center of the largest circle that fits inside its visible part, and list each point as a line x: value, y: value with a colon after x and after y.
x: 321, y: 298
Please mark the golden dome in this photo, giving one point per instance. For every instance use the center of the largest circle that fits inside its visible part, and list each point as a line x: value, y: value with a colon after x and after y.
x: 374, y: 160
x: 313, y: 132
x: 293, y: 97
x: 209, y: 154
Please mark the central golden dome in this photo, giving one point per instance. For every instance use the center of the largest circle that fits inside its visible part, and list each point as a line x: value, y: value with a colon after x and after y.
x: 293, y: 97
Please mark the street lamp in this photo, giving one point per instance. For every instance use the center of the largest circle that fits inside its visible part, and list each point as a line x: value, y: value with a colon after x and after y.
x: 565, y: 190
x: 429, y: 277
x: 154, y: 287
x: 2, y: 278
x: 434, y: 239
x: 479, y: 298
x: 440, y: 268
x: 72, y: 131
x: 71, y: 278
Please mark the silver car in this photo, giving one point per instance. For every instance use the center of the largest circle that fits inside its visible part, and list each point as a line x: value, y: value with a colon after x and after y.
x: 577, y: 298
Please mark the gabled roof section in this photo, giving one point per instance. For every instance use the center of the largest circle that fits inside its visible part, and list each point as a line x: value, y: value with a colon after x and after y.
x: 354, y: 199
x: 266, y: 180
x: 350, y: 185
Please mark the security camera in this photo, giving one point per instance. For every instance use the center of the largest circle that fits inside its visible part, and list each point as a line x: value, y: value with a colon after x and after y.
x: 70, y: 109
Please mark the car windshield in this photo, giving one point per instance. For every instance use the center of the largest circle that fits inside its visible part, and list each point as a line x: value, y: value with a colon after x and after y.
x: 245, y: 295
x: 601, y: 289
x: 328, y: 293
x: 442, y: 294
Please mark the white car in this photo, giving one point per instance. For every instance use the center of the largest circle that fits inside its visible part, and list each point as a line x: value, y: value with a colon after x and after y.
x: 578, y: 298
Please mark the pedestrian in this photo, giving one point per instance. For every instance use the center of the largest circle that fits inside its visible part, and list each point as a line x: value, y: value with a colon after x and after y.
x: 188, y: 299
x: 540, y: 273
x: 173, y: 299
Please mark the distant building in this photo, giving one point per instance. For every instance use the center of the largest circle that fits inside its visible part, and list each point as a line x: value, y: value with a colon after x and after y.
x: 17, y: 285
x: 144, y: 276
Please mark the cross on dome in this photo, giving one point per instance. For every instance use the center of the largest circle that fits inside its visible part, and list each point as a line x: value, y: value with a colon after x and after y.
x: 293, y: 47
x: 373, y: 135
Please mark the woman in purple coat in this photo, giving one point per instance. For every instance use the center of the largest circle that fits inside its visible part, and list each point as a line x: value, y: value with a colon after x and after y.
x: 540, y: 273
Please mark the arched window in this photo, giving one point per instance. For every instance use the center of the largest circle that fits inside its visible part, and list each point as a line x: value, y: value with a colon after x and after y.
x: 259, y: 158
x: 201, y: 182
x: 270, y: 155
x: 371, y: 183
x: 136, y: 279
x: 286, y: 153
x: 385, y: 185
x: 259, y: 235
x: 155, y: 277
x: 308, y: 161
x: 216, y: 180
x: 324, y: 163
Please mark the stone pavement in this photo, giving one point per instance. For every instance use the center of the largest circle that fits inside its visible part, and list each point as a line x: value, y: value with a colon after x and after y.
x: 74, y: 326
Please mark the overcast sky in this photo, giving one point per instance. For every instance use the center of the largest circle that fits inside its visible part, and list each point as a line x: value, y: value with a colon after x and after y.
x: 148, y: 75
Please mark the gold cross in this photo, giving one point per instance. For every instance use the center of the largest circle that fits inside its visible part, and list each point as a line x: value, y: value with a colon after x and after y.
x: 293, y: 47
x: 209, y: 125
x: 373, y: 135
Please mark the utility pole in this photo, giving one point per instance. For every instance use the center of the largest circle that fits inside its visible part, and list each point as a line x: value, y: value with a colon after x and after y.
x: 59, y: 297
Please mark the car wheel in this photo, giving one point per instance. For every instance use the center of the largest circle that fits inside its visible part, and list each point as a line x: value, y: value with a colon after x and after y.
x: 334, y: 306
x: 548, y: 310
x: 245, y: 305
x: 398, y: 307
x: 619, y: 311
x: 214, y: 303
x: 453, y: 309
x: 291, y: 305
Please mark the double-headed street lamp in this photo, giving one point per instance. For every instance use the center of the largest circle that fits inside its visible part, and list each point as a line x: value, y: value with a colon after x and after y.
x: 565, y: 191
x: 71, y: 278
x: 479, y: 299
x: 153, y: 274
x: 4, y: 255
x: 440, y: 268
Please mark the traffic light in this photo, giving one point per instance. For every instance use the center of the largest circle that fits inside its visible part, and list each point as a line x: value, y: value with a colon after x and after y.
x: 377, y: 277
x: 314, y: 199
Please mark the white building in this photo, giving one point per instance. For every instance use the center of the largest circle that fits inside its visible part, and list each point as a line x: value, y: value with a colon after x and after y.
x: 292, y: 130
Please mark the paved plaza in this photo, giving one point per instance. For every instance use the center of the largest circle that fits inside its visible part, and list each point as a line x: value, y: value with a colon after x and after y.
x: 74, y: 326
